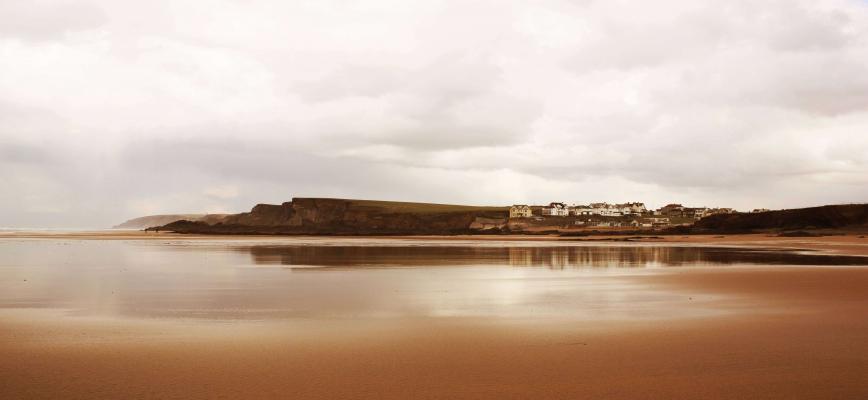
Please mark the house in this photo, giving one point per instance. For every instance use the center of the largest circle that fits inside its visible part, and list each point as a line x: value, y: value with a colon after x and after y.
x: 671, y: 210
x: 659, y: 222
x: 712, y: 211
x: 636, y: 208
x: 613, y: 210
x: 581, y: 211
x: 520, y: 211
x: 599, y: 208
x: 702, y: 213
x: 556, y: 210
x: 606, y: 210
x: 694, y: 212
x: 760, y: 210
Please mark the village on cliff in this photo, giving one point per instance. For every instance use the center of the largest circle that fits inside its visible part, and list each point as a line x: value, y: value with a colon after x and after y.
x: 605, y: 215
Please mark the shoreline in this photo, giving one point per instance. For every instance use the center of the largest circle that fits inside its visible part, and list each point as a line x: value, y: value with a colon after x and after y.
x: 841, y: 244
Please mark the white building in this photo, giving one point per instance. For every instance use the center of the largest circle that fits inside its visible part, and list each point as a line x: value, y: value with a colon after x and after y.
x: 581, y: 211
x: 607, y: 210
x: 636, y: 208
x: 520, y: 211
x: 556, y: 210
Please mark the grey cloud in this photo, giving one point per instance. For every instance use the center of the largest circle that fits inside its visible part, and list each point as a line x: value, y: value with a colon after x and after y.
x: 23, y: 153
x: 798, y: 29
x: 271, y: 171
x: 20, y: 120
x: 47, y: 20
x: 352, y: 80
x: 696, y: 30
x: 268, y: 162
x: 824, y: 83
x: 452, y: 102
x: 164, y: 108
x: 236, y: 159
x: 628, y: 45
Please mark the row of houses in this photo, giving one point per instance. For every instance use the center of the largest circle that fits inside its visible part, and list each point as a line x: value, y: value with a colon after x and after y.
x: 636, y: 223
x: 614, y: 210
x: 697, y: 213
x: 562, y: 210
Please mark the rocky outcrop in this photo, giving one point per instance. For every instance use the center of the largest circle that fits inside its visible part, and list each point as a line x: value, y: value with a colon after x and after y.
x: 352, y: 217
x: 487, y: 224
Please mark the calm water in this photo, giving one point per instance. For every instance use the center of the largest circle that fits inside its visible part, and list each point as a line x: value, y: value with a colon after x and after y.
x: 301, y: 278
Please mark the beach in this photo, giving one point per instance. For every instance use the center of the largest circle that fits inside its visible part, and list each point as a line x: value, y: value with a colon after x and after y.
x: 402, y: 200
x: 727, y: 332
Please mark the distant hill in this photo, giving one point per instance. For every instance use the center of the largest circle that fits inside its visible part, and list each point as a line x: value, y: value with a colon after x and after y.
x: 158, y: 220
x: 832, y: 217
x: 351, y: 217
x: 324, y: 216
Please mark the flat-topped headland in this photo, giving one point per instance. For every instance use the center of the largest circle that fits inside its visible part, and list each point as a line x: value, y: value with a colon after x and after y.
x: 323, y: 216
x: 327, y: 216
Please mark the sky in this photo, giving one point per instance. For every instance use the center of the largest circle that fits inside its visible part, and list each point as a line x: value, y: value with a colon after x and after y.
x: 115, y: 109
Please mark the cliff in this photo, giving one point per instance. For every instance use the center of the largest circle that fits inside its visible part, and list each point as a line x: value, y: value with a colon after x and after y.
x: 319, y: 216
x: 833, y: 217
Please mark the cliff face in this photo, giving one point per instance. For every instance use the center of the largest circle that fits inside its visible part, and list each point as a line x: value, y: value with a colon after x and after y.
x: 854, y: 216
x: 353, y: 217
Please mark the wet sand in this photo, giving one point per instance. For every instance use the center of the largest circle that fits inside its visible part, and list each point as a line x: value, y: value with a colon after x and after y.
x: 854, y: 244
x: 809, y: 341
x: 786, y: 332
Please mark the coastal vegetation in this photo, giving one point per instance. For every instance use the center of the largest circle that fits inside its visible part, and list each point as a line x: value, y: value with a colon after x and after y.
x: 327, y: 216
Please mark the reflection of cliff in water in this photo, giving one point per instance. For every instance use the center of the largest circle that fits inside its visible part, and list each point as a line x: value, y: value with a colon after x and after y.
x: 553, y: 257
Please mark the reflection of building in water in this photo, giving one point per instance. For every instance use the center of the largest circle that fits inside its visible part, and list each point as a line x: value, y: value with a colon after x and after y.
x: 520, y: 256
x: 557, y: 257
x: 605, y: 256
x: 562, y: 257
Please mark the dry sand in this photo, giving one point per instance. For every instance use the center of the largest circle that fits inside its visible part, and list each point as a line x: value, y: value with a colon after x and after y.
x: 797, y: 333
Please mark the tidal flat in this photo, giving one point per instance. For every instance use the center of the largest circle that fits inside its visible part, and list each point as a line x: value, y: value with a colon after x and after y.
x: 133, y: 315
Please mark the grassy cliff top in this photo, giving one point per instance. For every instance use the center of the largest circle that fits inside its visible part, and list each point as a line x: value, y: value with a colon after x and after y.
x: 404, y: 207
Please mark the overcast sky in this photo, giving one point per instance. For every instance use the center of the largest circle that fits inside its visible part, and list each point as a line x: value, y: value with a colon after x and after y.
x: 115, y: 109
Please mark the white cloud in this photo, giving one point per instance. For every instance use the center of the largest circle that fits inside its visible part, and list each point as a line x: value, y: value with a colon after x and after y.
x: 109, y: 109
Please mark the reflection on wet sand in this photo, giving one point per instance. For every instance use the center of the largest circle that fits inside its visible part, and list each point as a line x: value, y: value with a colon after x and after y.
x: 214, y: 280
x: 389, y: 319
x: 551, y: 257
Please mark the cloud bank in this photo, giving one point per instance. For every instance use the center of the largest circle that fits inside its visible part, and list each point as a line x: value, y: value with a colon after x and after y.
x: 115, y: 109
